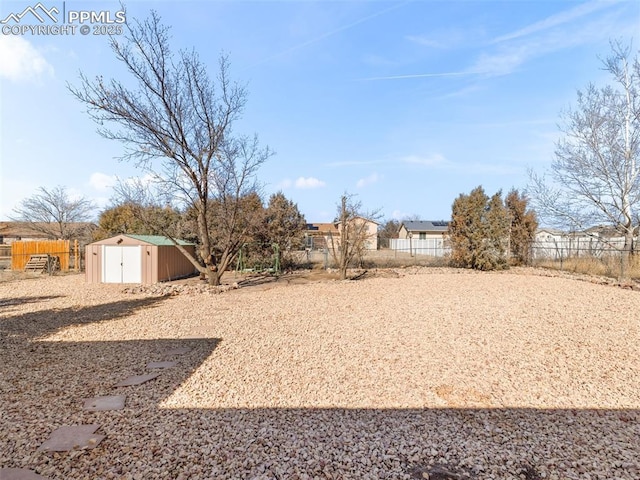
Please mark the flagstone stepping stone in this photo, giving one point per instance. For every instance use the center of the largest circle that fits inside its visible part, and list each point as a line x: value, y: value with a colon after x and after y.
x: 178, y: 351
x: 137, y: 380
x: 19, y: 474
x: 65, y: 439
x: 154, y: 365
x: 100, y: 404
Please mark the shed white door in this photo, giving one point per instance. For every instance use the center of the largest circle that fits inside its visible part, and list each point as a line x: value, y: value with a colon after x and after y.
x: 122, y: 264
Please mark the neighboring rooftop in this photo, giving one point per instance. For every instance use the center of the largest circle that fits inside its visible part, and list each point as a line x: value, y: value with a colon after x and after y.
x: 425, y: 225
x: 322, y: 227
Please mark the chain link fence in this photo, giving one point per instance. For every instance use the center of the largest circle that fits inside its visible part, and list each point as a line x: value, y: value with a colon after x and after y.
x: 603, y: 260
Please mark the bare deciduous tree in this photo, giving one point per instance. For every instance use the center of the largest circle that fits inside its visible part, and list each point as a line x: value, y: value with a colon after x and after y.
x: 354, y: 234
x: 55, y: 213
x: 595, y: 176
x: 176, y: 124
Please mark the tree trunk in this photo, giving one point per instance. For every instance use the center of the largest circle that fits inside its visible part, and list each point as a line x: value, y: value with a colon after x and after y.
x: 625, y: 256
x: 205, y: 249
x: 344, y: 260
x: 214, y: 277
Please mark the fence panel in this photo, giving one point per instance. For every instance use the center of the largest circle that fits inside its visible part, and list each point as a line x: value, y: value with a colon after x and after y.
x: 430, y: 246
x: 21, y: 252
x: 576, y: 247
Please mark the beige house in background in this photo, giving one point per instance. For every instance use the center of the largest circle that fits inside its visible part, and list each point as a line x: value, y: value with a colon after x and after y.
x: 319, y: 236
x: 423, y: 229
x: 422, y: 237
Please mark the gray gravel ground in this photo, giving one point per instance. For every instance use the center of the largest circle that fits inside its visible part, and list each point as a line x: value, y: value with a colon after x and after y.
x: 485, y: 375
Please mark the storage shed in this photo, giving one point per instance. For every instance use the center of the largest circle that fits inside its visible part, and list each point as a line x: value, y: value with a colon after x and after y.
x: 137, y: 259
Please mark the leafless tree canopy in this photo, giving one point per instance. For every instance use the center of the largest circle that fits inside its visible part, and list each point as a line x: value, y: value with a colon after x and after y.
x: 595, y: 176
x: 352, y: 223
x: 54, y: 213
x: 176, y: 124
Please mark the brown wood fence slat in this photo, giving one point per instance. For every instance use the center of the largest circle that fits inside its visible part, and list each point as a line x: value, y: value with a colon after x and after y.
x: 22, y: 250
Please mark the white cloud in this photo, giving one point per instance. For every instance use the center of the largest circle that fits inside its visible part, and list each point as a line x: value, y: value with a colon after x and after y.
x: 19, y: 60
x: 371, y: 179
x: 102, y: 181
x: 308, y: 183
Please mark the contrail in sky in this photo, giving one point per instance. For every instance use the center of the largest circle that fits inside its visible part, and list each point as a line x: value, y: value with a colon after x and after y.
x: 331, y: 33
x: 420, y: 75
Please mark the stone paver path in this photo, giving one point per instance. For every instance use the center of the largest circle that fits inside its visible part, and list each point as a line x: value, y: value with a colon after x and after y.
x: 19, y: 474
x: 157, y: 365
x: 100, y: 404
x: 137, y: 380
x: 65, y: 439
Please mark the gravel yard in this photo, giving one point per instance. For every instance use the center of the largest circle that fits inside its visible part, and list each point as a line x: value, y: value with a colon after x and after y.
x: 485, y: 375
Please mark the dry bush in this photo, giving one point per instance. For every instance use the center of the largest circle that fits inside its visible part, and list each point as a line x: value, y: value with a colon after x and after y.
x: 605, y: 266
x: 372, y: 259
x: 399, y: 262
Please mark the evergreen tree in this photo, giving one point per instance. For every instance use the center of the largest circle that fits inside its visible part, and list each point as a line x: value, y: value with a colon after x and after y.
x: 285, y: 225
x: 478, y: 231
x: 524, y: 224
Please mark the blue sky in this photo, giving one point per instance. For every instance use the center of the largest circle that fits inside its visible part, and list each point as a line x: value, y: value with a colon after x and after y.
x: 405, y: 104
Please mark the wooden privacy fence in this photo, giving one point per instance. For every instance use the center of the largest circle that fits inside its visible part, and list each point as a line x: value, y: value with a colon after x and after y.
x: 21, y: 252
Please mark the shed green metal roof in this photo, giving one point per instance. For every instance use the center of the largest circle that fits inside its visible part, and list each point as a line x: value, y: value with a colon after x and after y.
x: 158, y: 240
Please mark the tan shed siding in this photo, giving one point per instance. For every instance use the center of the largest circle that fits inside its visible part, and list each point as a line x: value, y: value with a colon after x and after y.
x: 148, y: 257
x: 93, y: 263
x: 158, y: 262
x: 172, y: 263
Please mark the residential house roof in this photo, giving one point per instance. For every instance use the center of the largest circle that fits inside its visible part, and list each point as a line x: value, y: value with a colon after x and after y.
x: 362, y: 218
x: 552, y: 231
x: 322, y: 228
x: 425, y: 225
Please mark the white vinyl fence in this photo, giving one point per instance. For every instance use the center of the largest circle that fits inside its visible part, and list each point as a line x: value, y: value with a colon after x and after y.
x: 569, y: 246
x: 430, y: 246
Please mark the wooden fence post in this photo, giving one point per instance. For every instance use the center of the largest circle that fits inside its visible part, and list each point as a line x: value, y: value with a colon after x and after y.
x: 76, y: 261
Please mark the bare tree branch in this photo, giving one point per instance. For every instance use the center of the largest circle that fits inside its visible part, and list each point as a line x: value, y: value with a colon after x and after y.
x: 353, y: 224
x: 176, y: 125
x: 55, y: 213
x: 595, y: 176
